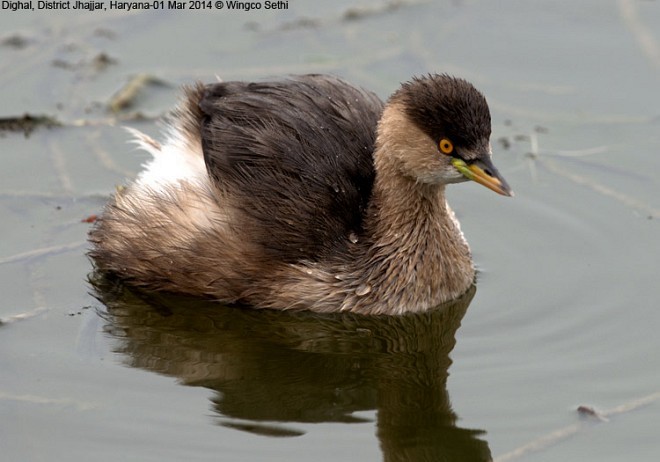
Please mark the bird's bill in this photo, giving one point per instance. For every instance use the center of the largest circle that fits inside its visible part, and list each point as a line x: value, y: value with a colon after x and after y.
x: 483, y: 172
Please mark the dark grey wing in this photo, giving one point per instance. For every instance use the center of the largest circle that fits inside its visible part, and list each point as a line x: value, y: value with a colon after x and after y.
x: 295, y: 157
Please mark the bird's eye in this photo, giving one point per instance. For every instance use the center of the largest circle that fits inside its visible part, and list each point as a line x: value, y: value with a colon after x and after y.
x: 446, y: 146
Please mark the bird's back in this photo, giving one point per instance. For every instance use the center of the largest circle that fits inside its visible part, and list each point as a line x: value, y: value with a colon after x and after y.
x: 294, y: 158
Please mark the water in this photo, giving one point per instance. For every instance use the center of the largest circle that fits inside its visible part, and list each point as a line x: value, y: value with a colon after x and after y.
x: 564, y: 313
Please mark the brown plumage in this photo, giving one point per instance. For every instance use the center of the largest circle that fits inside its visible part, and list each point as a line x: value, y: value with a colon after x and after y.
x: 305, y: 193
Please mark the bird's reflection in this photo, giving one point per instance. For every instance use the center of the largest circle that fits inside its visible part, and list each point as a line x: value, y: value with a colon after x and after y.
x: 268, y: 366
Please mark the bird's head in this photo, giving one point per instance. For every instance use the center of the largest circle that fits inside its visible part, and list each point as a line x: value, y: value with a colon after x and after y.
x: 438, y: 128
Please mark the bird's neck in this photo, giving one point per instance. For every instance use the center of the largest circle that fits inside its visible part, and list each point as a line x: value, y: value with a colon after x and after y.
x: 417, y: 252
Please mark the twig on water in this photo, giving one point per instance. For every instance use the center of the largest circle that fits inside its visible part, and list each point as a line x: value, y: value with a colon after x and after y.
x: 42, y: 252
x: 21, y: 316
x: 34, y: 399
x: 557, y: 436
x: 642, y: 33
x: 534, y: 156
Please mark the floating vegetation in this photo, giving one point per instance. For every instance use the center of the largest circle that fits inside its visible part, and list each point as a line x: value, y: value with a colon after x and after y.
x: 27, y: 123
x: 126, y: 96
x: 361, y: 12
x: 97, y: 64
x: 16, y: 41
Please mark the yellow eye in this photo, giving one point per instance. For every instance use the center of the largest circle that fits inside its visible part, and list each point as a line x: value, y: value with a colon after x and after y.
x: 446, y: 146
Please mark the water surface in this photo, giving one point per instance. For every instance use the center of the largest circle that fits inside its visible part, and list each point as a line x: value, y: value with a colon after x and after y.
x: 564, y: 313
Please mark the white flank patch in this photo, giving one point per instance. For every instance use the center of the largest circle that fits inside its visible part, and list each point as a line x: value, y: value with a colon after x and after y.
x: 177, y: 162
x: 173, y: 162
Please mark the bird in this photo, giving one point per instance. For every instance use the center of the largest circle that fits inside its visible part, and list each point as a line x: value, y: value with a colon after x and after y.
x: 304, y: 193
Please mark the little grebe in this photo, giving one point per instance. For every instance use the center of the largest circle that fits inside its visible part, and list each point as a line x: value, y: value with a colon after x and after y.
x: 305, y: 193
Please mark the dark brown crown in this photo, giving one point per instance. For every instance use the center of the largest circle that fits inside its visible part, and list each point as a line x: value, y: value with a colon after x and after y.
x: 444, y: 106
